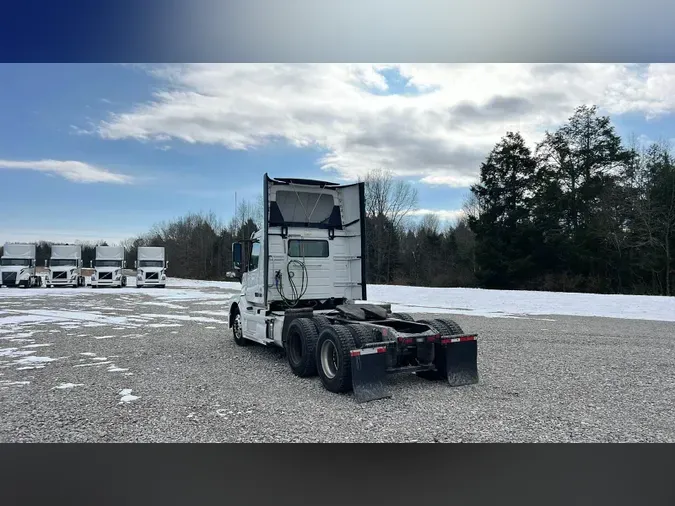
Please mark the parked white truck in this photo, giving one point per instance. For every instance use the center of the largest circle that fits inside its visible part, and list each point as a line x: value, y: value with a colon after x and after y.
x: 151, y: 267
x: 65, y: 266
x: 17, y: 266
x: 108, y: 267
x: 300, y: 277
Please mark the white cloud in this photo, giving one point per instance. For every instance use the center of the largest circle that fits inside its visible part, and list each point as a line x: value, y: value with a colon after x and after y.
x: 442, y: 214
x: 75, y: 171
x: 439, y: 136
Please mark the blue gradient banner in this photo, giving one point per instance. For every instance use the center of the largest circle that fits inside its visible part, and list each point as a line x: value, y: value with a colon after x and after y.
x: 350, y: 30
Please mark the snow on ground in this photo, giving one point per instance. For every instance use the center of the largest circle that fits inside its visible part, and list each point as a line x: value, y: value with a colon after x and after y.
x: 513, y: 303
x: 478, y: 302
x: 64, y: 386
x: 126, y: 396
x: 184, y: 318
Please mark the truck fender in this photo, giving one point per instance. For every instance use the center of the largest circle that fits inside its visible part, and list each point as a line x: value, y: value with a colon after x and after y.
x: 234, y: 307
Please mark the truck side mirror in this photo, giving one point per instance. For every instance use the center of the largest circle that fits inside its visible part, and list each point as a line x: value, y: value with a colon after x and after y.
x: 91, y: 264
x: 236, y: 255
x: 167, y: 265
x: 45, y: 263
x: 135, y: 264
x: 124, y: 264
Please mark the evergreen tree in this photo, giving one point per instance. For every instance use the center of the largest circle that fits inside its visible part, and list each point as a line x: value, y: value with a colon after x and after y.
x: 503, y: 228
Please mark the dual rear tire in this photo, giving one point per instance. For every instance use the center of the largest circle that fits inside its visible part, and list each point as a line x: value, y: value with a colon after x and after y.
x: 316, y: 347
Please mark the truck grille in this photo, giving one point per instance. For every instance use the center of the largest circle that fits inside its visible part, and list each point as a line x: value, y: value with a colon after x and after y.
x: 9, y: 277
x: 105, y: 275
x: 59, y: 275
x: 152, y: 275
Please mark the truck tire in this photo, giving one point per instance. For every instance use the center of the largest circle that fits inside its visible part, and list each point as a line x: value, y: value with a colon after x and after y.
x: 451, y: 327
x: 333, y: 358
x: 446, y: 328
x: 321, y: 322
x: 361, y: 335
x: 403, y: 316
x: 300, y: 347
x: 238, y: 330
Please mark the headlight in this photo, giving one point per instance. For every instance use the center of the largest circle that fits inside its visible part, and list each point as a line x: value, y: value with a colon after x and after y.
x: 93, y: 277
x: 163, y: 276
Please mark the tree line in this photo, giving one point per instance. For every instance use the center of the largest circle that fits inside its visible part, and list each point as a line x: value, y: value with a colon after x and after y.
x: 580, y: 211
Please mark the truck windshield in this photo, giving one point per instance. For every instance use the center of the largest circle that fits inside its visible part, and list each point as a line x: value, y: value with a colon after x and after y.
x: 58, y: 262
x: 151, y: 263
x: 108, y: 263
x: 16, y: 261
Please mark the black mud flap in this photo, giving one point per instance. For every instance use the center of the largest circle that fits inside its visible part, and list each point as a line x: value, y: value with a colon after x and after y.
x: 461, y: 361
x: 369, y: 369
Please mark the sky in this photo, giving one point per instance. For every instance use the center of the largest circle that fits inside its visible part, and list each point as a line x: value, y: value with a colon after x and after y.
x: 98, y: 152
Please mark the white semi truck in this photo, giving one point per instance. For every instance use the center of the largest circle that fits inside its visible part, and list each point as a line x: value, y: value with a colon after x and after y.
x: 108, y: 267
x: 151, y: 267
x: 301, y: 276
x: 65, y: 266
x: 17, y: 266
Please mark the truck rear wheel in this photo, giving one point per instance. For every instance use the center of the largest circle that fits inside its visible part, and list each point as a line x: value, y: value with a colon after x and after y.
x: 300, y: 346
x: 451, y: 327
x: 333, y: 359
x: 444, y: 327
x: 321, y: 322
x: 361, y: 335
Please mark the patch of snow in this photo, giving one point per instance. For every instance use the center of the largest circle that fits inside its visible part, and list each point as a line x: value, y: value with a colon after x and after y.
x: 103, y: 337
x: 30, y: 367
x: 114, y: 368
x: 34, y: 360
x: 88, y: 354
x: 37, y: 345
x: 43, y: 315
x: 14, y: 352
x: 126, y: 396
x: 516, y: 303
x: 101, y: 359
x: 92, y: 364
x: 163, y: 304
x: 184, y: 318
x: 64, y: 386
x: 212, y: 313
x: 6, y: 383
x: 160, y: 325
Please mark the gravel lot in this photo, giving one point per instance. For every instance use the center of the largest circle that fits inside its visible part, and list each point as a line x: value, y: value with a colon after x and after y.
x: 557, y: 378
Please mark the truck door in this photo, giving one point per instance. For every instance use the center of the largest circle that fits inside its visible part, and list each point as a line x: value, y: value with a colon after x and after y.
x: 254, y: 277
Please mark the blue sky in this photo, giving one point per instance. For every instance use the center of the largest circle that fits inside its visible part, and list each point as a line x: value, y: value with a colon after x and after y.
x: 216, y: 131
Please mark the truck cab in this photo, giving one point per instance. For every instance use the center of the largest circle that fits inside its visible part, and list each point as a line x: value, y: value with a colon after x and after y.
x: 17, y: 266
x: 307, y: 255
x: 151, y: 267
x: 108, y: 267
x: 65, y: 266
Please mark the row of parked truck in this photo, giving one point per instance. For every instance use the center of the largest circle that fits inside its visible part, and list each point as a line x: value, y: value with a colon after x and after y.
x: 18, y: 266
